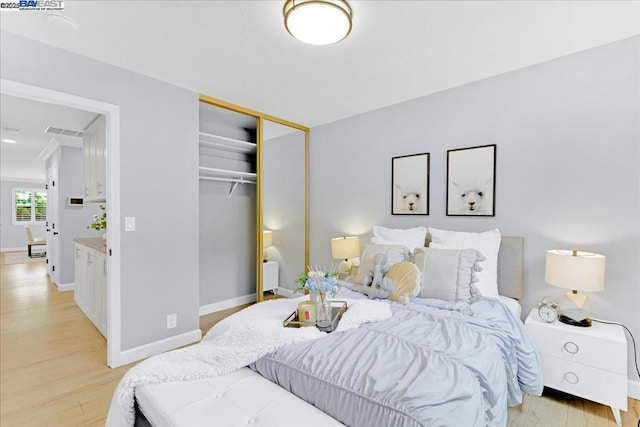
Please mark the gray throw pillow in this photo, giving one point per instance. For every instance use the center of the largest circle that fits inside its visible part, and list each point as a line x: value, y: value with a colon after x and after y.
x: 449, y: 274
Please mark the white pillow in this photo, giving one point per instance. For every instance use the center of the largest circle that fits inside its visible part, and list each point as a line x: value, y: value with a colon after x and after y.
x: 412, y: 238
x: 395, y: 254
x: 487, y: 243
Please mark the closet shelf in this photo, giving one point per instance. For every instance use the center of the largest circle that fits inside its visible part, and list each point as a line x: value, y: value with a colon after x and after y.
x: 218, y: 142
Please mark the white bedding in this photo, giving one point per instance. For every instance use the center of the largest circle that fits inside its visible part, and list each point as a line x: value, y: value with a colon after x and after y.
x: 512, y: 304
x: 240, y: 398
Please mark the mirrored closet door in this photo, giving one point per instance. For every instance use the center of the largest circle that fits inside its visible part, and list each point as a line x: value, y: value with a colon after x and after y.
x: 284, y: 204
x: 253, y: 204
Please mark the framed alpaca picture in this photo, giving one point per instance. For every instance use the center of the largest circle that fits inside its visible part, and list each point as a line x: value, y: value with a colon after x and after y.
x: 471, y: 181
x: 410, y: 185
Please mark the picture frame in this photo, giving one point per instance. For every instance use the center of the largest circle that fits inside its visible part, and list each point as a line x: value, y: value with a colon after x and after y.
x: 471, y: 181
x: 410, y: 184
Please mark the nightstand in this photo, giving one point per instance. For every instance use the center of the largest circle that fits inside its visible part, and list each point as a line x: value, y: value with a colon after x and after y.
x: 585, y: 362
x: 269, y: 276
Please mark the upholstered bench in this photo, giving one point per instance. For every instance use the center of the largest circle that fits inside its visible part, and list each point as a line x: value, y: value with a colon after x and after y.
x: 236, y: 399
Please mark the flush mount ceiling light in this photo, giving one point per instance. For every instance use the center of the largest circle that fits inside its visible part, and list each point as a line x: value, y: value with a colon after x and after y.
x: 317, y: 22
x: 61, y: 21
x: 9, y: 141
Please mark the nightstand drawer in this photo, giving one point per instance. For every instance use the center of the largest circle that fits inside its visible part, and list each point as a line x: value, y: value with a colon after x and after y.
x: 575, y: 346
x: 585, y: 381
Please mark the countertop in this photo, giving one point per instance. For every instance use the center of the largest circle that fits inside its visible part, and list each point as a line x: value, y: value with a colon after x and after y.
x: 95, y: 243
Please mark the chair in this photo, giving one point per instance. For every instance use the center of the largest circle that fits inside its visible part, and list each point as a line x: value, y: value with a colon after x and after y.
x: 31, y: 241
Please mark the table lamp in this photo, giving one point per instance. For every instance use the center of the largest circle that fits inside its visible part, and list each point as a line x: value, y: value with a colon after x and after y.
x: 345, y: 248
x: 578, y: 271
x: 267, y: 241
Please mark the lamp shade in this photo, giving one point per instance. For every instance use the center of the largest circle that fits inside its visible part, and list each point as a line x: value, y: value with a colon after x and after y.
x: 317, y: 22
x: 267, y: 238
x: 581, y: 271
x: 345, y: 247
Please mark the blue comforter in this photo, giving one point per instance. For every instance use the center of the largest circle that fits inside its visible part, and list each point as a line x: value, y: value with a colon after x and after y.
x: 432, y: 364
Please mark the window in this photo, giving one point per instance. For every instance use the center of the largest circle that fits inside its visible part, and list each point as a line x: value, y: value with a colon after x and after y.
x: 29, y: 206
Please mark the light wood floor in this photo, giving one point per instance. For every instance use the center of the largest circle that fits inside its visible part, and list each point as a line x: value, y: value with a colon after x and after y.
x: 53, y: 364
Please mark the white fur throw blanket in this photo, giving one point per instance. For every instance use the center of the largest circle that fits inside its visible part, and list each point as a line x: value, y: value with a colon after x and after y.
x: 233, y: 343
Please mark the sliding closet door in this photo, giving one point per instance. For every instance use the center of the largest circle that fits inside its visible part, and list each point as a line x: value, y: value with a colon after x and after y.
x: 284, y: 180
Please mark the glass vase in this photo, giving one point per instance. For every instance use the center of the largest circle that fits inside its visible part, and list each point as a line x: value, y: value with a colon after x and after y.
x: 323, y: 310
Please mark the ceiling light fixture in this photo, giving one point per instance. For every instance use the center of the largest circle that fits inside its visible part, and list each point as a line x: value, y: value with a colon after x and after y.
x: 9, y: 141
x: 317, y: 22
x: 61, y: 21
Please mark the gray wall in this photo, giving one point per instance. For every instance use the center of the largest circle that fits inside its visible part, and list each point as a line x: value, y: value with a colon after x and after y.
x: 227, y: 241
x: 568, y: 167
x: 13, y: 236
x: 72, y: 221
x: 158, y: 180
x: 283, y: 204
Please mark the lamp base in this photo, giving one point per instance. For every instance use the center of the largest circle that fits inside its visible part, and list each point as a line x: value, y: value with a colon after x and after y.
x: 344, y: 267
x: 574, y: 310
x: 583, y: 323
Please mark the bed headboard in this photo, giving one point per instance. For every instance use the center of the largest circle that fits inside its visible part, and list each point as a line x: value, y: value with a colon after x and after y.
x: 510, y: 266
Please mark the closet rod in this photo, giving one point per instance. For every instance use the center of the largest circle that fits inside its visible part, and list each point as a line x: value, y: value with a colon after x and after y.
x: 236, y: 180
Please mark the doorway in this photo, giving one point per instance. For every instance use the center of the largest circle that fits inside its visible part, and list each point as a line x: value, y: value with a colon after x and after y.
x: 112, y: 118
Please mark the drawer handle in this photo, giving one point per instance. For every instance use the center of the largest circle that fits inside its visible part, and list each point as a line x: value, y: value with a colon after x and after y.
x: 571, y: 347
x: 571, y: 378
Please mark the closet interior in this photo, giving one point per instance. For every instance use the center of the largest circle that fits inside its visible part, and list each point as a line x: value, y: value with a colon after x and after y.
x: 253, y: 218
x: 228, y: 199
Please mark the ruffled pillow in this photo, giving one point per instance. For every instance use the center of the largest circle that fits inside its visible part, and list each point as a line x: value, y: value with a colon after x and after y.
x: 449, y: 274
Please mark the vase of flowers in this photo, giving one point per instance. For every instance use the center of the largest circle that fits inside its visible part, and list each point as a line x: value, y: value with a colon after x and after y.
x: 322, y: 286
x: 99, y: 222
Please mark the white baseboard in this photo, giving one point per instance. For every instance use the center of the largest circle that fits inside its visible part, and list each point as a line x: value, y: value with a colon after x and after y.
x: 229, y: 303
x: 157, y: 347
x: 20, y: 249
x: 286, y: 292
x: 634, y: 389
x: 66, y: 287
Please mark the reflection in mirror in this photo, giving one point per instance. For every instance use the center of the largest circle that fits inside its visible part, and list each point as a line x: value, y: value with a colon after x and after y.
x: 283, y: 200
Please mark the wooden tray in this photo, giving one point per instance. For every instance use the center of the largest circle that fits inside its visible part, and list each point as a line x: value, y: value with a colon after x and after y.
x: 338, y: 308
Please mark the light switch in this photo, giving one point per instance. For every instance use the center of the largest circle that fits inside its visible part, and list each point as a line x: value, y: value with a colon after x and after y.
x: 129, y: 223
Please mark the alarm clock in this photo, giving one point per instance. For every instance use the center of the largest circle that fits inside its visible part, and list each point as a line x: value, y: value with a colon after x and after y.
x: 548, y: 310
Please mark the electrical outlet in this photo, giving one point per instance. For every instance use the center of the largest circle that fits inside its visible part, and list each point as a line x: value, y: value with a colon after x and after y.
x: 172, y: 321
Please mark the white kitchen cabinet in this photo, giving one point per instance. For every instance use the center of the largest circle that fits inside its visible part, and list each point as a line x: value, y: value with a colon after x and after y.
x: 94, y: 158
x: 80, y: 275
x: 91, y: 285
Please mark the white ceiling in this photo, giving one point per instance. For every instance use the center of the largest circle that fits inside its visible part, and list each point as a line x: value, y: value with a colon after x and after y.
x: 398, y: 50
x: 21, y: 161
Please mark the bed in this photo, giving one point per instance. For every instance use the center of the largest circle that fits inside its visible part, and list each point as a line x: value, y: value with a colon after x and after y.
x: 431, y: 363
